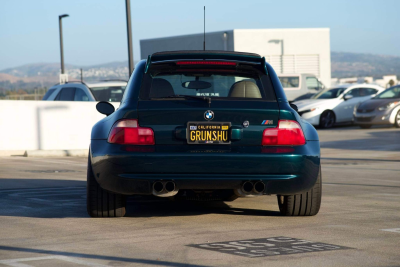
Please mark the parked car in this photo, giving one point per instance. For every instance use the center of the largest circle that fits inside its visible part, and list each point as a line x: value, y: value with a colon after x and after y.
x: 203, y: 125
x: 384, y: 108
x: 300, y: 86
x: 335, y: 105
x: 110, y: 90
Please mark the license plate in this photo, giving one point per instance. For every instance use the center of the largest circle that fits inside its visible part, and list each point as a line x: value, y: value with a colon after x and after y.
x: 208, y: 133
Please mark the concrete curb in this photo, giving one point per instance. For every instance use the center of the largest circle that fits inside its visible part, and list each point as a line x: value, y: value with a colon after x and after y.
x: 57, y: 153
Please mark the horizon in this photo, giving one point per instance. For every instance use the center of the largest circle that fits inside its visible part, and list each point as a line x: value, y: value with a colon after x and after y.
x: 95, y: 32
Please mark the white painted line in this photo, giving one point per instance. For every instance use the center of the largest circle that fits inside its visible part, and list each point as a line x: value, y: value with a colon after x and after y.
x: 17, y: 262
x: 394, y: 230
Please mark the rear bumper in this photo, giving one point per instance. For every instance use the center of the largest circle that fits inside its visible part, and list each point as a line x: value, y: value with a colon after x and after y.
x: 133, y: 170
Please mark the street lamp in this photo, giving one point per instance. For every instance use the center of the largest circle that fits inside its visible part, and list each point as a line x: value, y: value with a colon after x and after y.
x: 61, y: 41
x: 129, y: 33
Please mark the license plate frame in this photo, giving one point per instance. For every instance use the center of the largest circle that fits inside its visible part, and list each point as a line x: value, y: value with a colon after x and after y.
x: 190, y: 129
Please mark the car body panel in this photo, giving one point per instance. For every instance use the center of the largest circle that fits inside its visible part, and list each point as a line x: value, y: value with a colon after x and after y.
x: 128, y: 169
x: 292, y: 93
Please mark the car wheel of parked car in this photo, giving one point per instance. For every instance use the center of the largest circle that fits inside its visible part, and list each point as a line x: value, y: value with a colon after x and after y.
x: 327, y: 119
x: 397, y: 120
x: 305, y: 204
x: 101, y: 203
x: 365, y: 126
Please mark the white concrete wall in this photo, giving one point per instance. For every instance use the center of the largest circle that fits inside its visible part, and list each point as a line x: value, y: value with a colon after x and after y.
x: 214, y: 41
x: 295, y: 42
x: 47, y: 125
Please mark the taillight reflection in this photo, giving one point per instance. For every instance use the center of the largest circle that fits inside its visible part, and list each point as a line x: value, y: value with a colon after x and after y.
x: 288, y: 133
x: 128, y: 132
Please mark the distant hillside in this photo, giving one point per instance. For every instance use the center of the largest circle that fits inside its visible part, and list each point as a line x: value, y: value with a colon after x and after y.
x: 354, y: 64
x: 46, y: 74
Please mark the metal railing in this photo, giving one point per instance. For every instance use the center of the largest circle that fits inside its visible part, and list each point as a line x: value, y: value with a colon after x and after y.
x: 23, y: 97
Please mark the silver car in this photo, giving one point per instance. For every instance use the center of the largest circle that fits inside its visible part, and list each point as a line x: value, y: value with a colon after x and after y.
x: 384, y: 108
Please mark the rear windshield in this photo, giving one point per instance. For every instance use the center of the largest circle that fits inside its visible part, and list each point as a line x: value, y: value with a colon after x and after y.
x: 167, y: 81
x: 108, y: 93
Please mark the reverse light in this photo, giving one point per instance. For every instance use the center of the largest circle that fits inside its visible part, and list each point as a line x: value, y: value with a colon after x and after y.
x: 206, y: 62
x: 128, y: 132
x: 288, y: 133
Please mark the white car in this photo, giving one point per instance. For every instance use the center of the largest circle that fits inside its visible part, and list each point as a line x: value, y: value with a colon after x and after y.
x: 335, y: 105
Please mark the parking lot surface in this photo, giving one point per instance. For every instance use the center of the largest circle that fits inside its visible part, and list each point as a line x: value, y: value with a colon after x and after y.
x: 43, y: 219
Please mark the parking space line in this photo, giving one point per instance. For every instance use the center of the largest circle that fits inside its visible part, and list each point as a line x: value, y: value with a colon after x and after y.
x: 394, y: 230
x: 17, y: 262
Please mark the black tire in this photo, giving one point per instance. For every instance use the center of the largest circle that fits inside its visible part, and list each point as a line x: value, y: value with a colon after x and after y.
x: 397, y: 120
x: 101, y: 203
x: 327, y: 119
x: 305, y: 204
x: 365, y: 126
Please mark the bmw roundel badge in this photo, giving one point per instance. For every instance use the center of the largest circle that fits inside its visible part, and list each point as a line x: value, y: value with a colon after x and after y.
x: 208, y: 115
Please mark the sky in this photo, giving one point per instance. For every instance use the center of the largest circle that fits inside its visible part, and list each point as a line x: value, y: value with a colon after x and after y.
x: 95, y: 32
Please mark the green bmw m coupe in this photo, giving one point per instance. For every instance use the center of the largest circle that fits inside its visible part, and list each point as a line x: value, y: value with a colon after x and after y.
x: 203, y: 125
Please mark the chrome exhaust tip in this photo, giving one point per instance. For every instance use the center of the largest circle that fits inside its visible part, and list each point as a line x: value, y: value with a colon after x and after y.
x: 170, y: 186
x: 164, y: 189
x: 158, y: 187
x: 247, y: 187
x: 259, y: 188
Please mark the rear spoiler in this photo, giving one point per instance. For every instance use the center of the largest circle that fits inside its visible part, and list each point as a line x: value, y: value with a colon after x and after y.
x: 205, y: 55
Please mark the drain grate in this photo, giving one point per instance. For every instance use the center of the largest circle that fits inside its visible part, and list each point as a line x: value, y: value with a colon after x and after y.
x: 272, y: 246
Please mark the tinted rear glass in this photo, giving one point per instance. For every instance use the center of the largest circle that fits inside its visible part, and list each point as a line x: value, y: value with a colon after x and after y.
x: 241, y: 82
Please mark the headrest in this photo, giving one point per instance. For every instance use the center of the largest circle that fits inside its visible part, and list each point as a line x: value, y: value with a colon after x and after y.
x: 245, y: 89
x: 161, y: 88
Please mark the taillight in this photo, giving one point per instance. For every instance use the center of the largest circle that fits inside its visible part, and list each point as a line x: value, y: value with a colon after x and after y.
x: 206, y: 62
x: 288, y: 133
x: 128, y: 132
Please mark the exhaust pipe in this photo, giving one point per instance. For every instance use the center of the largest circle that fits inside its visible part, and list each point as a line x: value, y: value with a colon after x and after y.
x: 259, y: 188
x: 164, y: 189
x: 250, y: 189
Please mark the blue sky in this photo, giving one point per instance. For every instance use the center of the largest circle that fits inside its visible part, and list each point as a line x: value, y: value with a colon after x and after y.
x: 95, y: 32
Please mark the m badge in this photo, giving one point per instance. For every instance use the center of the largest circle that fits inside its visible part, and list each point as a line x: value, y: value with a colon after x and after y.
x: 267, y: 122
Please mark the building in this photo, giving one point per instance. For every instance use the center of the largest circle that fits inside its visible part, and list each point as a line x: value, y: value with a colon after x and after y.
x: 287, y: 50
x: 386, y: 81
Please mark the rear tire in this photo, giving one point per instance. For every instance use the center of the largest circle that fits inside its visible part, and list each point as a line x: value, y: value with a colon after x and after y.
x: 327, y: 119
x: 397, y: 120
x: 304, y: 204
x: 101, y: 203
x: 365, y: 126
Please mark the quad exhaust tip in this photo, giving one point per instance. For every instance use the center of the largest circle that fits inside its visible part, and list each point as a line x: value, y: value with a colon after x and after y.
x: 164, y: 189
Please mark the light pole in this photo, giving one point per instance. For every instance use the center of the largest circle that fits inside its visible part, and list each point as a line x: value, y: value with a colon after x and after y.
x: 129, y: 30
x: 61, y: 41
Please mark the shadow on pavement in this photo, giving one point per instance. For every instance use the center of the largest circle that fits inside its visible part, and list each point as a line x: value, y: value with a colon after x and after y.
x: 98, y: 257
x: 67, y: 199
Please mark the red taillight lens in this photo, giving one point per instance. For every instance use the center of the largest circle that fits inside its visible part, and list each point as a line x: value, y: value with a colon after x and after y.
x: 128, y: 132
x: 288, y: 133
x: 206, y: 62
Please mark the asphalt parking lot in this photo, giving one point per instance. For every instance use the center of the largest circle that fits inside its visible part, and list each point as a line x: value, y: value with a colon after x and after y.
x: 43, y: 219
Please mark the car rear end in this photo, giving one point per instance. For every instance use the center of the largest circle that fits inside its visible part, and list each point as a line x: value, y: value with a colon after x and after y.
x: 205, y: 125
